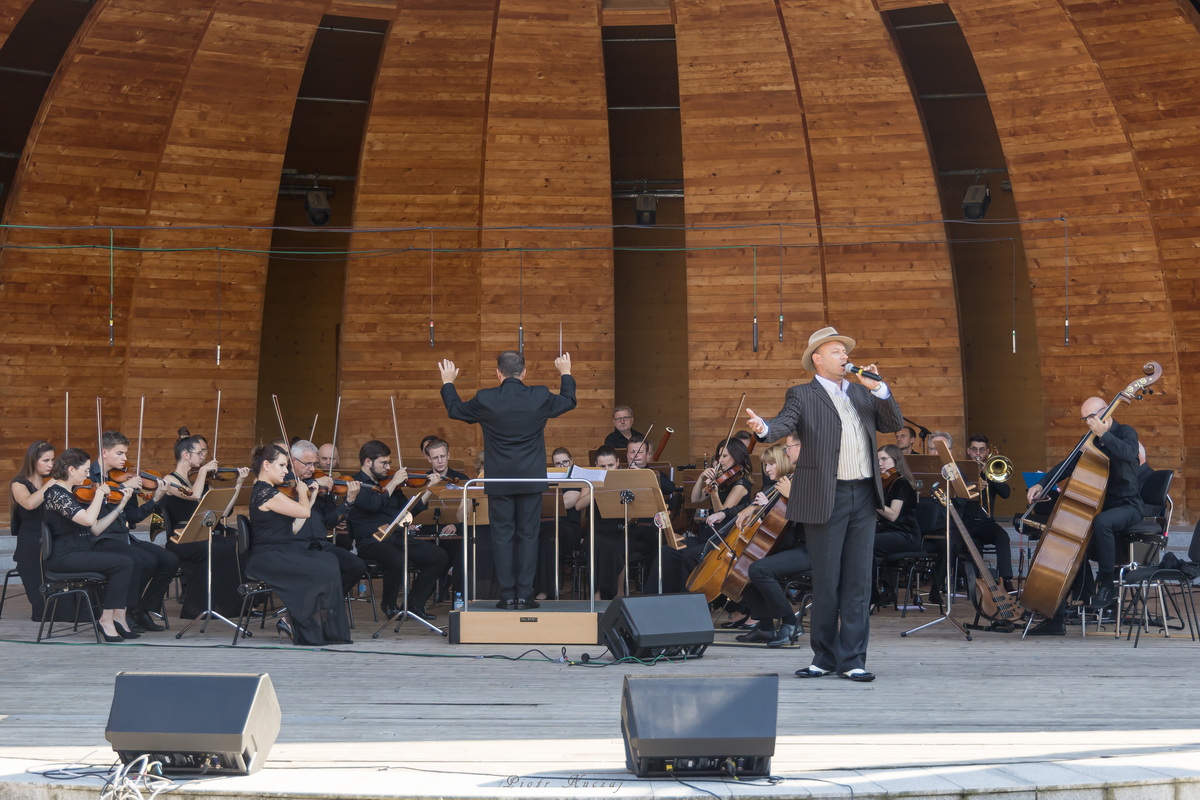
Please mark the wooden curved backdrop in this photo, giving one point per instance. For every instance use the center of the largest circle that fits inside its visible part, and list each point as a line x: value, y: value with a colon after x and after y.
x: 154, y: 166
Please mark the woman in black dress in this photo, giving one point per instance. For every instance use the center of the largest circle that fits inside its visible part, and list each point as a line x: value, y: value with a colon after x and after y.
x: 185, y: 486
x: 72, y: 526
x: 28, y: 489
x: 307, y: 581
x: 896, y: 528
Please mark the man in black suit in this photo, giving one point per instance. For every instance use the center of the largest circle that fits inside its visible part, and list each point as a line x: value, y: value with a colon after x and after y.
x: 1122, y: 505
x: 513, y: 417
x: 835, y: 490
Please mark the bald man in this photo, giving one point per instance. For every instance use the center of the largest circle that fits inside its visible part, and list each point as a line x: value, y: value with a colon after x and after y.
x: 1122, y: 501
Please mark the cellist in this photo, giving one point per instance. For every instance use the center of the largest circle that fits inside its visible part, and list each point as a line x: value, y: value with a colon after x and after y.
x: 764, y: 593
x: 1121, y: 509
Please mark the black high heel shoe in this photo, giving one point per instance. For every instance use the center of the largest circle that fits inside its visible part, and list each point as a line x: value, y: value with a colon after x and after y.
x: 285, y: 629
x: 111, y: 639
x: 123, y: 633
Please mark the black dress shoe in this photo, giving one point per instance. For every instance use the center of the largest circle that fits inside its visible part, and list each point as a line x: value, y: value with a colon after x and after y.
x: 423, y: 614
x: 390, y: 611
x: 507, y: 605
x: 887, y: 599
x: 859, y: 676
x: 756, y: 635
x: 124, y: 633
x: 523, y: 604
x: 146, y: 622
x: 737, y: 623
x: 787, y: 634
x: 1105, y: 596
x: 1049, y: 627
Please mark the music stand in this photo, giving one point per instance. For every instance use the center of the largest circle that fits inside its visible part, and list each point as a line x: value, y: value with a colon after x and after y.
x: 632, y: 493
x: 555, y: 496
x: 212, y: 505
x: 399, y: 527
x: 955, y: 486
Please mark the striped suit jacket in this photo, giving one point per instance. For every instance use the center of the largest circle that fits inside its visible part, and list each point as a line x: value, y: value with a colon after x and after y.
x: 809, y: 409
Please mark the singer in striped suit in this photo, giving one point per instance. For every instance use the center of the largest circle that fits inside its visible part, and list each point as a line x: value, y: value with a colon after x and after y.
x: 835, y: 491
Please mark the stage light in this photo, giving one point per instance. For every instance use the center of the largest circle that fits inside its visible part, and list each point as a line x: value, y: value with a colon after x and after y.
x: 976, y: 200
x: 645, y: 209
x: 316, y: 205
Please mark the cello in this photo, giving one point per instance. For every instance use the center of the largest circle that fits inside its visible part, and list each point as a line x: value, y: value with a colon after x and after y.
x: 760, y: 538
x: 1063, y: 544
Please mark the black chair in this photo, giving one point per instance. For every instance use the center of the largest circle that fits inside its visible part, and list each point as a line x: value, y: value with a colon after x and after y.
x: 370, y: 574
x: 1156, y: 520
x: 12, y: 573
x: 252, y: 587
x: 83, y: 586
x: 1162, y: 583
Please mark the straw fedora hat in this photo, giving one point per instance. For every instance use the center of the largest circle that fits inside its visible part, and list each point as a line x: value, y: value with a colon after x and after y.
x: 819, y: 338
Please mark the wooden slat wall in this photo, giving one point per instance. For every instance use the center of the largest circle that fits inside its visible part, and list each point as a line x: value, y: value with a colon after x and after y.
x: 1149, y: 58
x: 421, y: 166
x: 547, y: 163
x: 745, y: 161
x: 11, y: 12
x: 90, y: 160
x: 890, y: 285
x: 1069, y: 155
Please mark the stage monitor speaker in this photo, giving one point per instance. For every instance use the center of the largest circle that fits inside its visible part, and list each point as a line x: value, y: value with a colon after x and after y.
x: 700, y: 725
x: 657, y: 625
x: 212, y: 723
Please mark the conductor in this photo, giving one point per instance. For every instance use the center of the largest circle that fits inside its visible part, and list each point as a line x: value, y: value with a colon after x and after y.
x: 513, y: 417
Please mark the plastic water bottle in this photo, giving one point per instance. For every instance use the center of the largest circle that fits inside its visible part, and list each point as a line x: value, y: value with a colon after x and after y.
x: 362, y: 588
x: 458, y: 601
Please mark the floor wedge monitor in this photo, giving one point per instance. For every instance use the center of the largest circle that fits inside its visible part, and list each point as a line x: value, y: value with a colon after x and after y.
x: 668, y: 625
x: 192, y: 723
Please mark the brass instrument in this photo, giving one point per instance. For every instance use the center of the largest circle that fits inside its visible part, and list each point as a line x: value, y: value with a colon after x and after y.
x: 995, y: 467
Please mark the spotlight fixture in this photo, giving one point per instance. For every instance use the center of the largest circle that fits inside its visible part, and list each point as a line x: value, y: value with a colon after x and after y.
x: 976, y: 200
x: 316, y: 205
x: 645, y: 208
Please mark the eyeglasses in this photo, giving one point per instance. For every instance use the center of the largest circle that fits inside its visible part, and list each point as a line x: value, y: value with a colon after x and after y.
x: 305, y: 463
x: 622, y: 419
x: 787, y: 447
x: 562, y: 463
x: 1089, y: 416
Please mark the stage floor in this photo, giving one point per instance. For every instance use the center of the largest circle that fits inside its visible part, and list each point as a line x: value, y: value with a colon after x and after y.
x: 412, y: 715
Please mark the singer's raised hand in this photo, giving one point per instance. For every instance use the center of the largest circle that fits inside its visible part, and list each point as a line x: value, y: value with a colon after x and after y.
x: 755, y: 423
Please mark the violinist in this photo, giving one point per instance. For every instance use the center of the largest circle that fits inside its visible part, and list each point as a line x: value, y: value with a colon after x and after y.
x: 896, y: 528
x: 607, y: 534
x: 569, y: 528
x: 28, y: 490
x: 788, y: 561
x: 727, y: 484
x: 1122, y: 506
x: 306, y: 580
x: 906, y: 440
x: 327, y: 458
x: 156, y: 567
x: 73, y: 529
x: 185, y: 486
x: 376, y: 505
x: 640, y: 454
x: 325, y: 513
x: 437, y: 453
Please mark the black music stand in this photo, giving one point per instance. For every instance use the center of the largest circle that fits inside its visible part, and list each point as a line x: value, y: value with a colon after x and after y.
x: 955, y: 486
x: 200, y: 526
x: 632, y: 494
x: 399, y: 527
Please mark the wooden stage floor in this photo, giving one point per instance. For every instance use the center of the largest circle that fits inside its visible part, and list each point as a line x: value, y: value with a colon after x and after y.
x: 411, y: 715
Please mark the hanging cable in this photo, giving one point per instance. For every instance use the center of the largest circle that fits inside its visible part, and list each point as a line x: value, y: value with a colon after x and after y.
x: 218, y: 306
x: 111, y: 289
x: 431, y: 287
x: 754, y: 340
x: 1066, y: 284
x: 521, y: 301
x: 781, y: 283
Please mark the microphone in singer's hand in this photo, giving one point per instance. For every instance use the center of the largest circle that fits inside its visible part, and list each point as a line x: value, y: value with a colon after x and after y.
x: 862, y: 372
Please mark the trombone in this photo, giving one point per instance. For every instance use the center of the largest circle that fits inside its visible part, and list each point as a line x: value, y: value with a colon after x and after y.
x: 995, y: 467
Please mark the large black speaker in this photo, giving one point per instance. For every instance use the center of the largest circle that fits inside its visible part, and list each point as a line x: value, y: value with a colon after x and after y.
x: 657, y: 625
x: 222, y: 724
x: 700, y: 725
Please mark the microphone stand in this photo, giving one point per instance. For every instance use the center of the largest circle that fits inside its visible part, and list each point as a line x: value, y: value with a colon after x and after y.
x: 948, y: 616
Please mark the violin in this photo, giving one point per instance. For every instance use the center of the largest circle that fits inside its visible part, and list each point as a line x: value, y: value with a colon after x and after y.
x: 86, y: 492
x: 888, y: 475
x: 218, y: 474
x: 149, y: 479
x: 341, y: 483
x: 415, y: 480
x: 725, y: 478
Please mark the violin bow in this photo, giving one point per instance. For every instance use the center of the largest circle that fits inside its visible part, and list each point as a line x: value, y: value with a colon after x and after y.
x: 99, y: 439
x: 733, y: 424
x: 137, y: 467
x: 216, y: 427
x: 313, y: 432
x: 287, y: 447
x: 337, y: 415
x: 67, y: 421
x: 396, y: 430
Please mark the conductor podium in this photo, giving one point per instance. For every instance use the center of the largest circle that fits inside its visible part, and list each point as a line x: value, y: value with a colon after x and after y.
x: 623, y: 494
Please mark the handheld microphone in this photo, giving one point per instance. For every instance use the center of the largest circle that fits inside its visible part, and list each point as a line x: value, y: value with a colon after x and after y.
x: 862, y: 372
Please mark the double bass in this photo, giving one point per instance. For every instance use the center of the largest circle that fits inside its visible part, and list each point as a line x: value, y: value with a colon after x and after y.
x: 725, y: 570
x: 1064, y: 540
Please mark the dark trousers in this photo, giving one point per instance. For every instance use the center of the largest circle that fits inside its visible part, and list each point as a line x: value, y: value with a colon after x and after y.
x: 118, y: 568
x: 677, y: 566
x: 515, y: 520
x: 764, y: 594
x: 989, y: 532
x: 568, y: 541
x: 430, y: 561
x: 1103, y: 547
x: 350, y: 566
x: 156, y: 568
x: 889, y: 542
x: 841, y: 550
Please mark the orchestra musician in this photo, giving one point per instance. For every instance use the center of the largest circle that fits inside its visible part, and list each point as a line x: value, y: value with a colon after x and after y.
x: 835, y: 491
x: 28, y: 489
x: 513, y: 417
x: 896, y: 529
x: 607, y: 533
x: 327, y: 458
x: 789, y: 560
x: 623, y: 431
x: 325, y: 513
x: 437, y: 453
x: 569, y: 531
x: 305, y: 579
x: 378, y: 502
x: 185, y: 486
x: 906, y: 440
x: 156, y: 566
x: 1122, y: 506
x: 978, y: 521
x: 74, y: 527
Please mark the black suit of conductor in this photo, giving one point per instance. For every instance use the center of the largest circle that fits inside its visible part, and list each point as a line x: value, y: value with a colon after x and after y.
x: 513, y: 417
